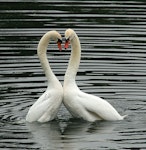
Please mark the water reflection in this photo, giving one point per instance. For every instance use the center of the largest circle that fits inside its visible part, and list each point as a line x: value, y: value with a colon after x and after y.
x: 47, y: 135
x: 70, y: 134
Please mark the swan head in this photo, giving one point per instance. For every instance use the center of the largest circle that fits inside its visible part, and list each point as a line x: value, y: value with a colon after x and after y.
x: 69, y: 36
x: 57, y: 37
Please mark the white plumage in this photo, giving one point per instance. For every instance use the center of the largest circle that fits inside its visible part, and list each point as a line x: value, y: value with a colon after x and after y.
x: 80, y: 104
x: 46, y: 107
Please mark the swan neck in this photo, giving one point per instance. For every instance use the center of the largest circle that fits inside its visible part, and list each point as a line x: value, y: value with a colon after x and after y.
x: 74, y: 60
x: 41, y: 51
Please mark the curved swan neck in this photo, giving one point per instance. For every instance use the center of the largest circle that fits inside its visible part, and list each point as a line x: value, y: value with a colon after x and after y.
x: 41, y: 51
x: 74, y: 60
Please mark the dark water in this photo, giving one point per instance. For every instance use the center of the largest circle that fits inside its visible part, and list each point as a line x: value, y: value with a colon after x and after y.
x: 113, y: 66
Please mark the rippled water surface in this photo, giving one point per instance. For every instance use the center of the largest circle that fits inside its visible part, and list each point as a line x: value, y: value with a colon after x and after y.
x: 113, y: 66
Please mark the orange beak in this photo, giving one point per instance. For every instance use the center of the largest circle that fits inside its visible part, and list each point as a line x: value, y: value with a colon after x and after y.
x: 59, y: 44
x: 66, y: 44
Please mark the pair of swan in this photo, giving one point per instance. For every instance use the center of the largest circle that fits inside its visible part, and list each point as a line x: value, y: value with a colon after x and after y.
x: 78, y: 103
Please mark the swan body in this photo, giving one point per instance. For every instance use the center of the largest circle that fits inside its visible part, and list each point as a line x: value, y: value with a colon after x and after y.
x: 80, y: 104
x: 46, y: 107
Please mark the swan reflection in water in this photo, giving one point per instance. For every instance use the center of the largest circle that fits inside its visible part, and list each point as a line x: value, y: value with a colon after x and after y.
x: 71, y: 133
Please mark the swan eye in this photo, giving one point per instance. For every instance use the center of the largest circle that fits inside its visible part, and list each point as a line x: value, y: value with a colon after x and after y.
x: 67, y: 40
x: 60, y: 41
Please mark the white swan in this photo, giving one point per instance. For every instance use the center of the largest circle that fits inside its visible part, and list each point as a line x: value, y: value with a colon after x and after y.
x: 80, y: 104
x: 46, y: 107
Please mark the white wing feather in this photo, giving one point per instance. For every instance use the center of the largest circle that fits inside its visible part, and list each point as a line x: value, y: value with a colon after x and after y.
x: 45, y: 108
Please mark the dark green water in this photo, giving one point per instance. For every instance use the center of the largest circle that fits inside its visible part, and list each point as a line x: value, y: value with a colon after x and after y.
x: 113, y: 66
